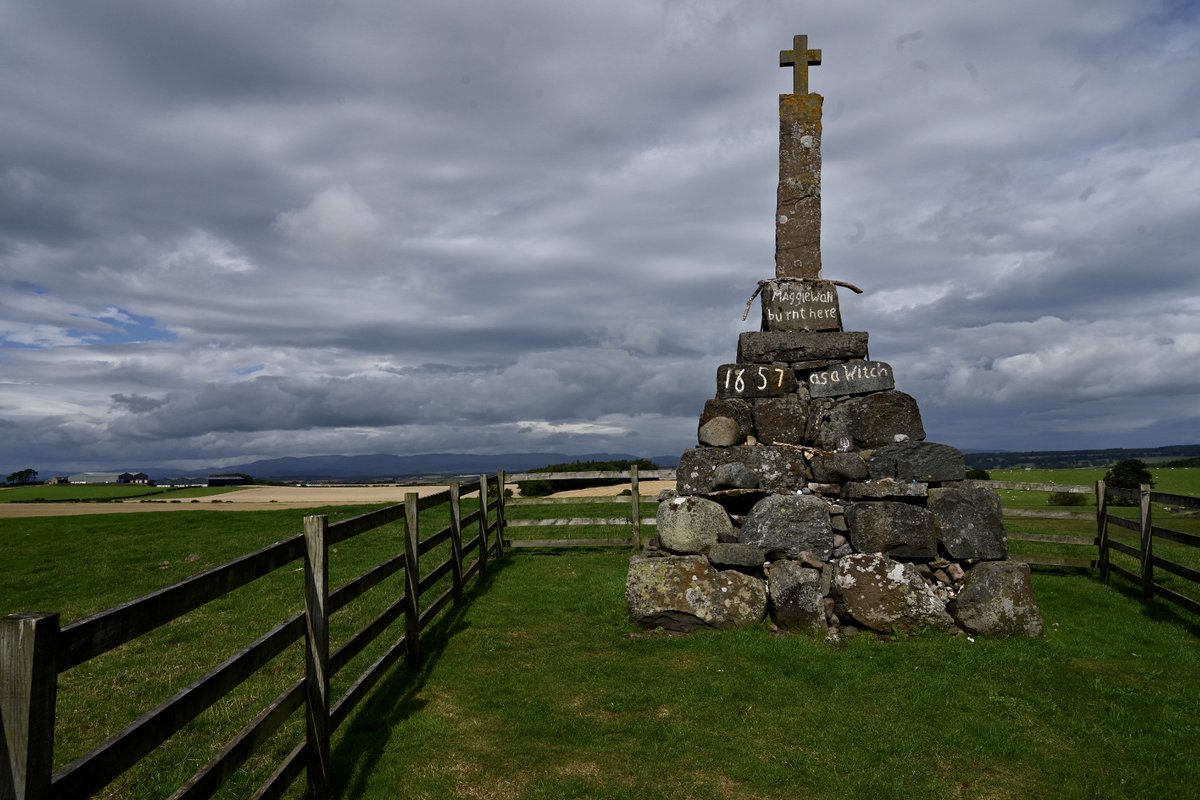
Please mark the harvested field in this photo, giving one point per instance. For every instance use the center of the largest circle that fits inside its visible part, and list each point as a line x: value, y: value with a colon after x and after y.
x: 265, y: 498
x: 252, y: 498
x: 648, y: 489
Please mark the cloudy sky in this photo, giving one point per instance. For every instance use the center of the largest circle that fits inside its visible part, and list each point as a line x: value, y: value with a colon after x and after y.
x: 239, y: 230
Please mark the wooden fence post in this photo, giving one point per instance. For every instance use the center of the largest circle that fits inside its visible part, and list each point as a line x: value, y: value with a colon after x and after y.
x: 501, y: 519
x: 316, y: 662
x: 483, y: 524
x: 1147, y: 545
x: 635, y: 498
x: 28, y: 689
x: 412, y: 578
x: 456, y: 540
x: 1102, y: 527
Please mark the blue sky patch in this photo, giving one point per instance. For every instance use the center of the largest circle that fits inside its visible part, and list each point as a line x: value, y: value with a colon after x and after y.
x: 123, y: 327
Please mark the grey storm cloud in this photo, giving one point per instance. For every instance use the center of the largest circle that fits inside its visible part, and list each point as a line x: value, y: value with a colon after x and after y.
x: 231, y: 230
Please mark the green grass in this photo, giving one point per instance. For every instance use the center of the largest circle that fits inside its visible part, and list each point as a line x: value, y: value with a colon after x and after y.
x: 540, y: 687
x: 80, y: 565
x: 1173, y: 480
x: 543, y: 689
x: 619, y: 508
x: 91, y: 493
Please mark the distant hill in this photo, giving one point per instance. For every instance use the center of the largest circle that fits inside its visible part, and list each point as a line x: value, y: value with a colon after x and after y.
x: 1065, y: 459
x: 382, y: 466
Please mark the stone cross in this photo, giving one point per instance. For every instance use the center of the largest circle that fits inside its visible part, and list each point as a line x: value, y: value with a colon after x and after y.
x: 800, y: 58
x: 798, y: 204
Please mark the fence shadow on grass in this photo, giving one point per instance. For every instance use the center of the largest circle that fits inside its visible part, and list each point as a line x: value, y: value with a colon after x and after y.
x: 356, y: 756
x: 1159, y: 612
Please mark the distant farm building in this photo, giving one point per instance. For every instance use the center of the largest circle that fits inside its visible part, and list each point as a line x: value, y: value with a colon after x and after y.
x: 110, y: 477
x: 229, y: 480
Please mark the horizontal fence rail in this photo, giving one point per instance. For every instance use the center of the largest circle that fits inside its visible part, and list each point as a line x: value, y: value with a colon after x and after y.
x: 34, y: 650
x: 1143, y: 552
x: 633, y: 522
x: 1082, y: 553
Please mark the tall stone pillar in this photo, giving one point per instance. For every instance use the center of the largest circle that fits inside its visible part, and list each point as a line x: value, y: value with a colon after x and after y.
x: 798, y: 203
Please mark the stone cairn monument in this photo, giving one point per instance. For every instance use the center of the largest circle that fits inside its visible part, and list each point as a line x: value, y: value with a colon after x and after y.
x: 813, y: 497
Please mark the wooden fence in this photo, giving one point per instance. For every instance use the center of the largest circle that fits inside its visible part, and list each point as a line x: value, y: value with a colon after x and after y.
x: 1081, y: 549
x: 632, y: 523
x: 1143, y: 552
x: 34, y: 650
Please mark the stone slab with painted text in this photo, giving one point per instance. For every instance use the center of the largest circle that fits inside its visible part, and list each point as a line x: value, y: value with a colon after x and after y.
x: 852, y: 377
x: 800, y: 306
x: 755, y: 380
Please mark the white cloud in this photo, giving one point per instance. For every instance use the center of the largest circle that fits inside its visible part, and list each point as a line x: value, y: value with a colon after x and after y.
x: 201, y: 252
x: 339, y: 224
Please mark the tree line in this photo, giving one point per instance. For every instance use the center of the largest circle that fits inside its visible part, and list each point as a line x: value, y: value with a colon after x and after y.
x: 22, y: 477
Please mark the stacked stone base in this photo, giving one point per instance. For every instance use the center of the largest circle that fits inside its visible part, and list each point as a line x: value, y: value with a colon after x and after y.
x: 814, y: 500
x: 841, y: 596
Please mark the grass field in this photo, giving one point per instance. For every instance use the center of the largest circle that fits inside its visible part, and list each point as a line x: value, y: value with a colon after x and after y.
x: 80, y: 565
x: 540, y: 687
x: 544, y: 690
x: 1175, y: 480
x: 101, y: 492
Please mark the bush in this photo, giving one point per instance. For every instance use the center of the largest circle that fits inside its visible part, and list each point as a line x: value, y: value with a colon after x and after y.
x: 1066, y: 499
x: 978, y: 475
x: 1128, y: 474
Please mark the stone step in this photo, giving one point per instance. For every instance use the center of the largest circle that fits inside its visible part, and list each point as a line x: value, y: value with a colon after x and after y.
x: 790, y: 347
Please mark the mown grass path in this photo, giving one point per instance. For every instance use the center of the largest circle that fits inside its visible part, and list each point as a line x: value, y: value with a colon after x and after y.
x: 541, y: 688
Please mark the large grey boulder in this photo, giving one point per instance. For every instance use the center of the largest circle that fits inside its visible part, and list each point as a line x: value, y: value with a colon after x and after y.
x: 737, y: 410
x: 927, y: 462
x: 796, y: 599
x: 721, y: 432
x: 871, y: 420
x: 682, y: 593
x: 997, y: 599
x: 838, y: 467
x: 787, y: 524
x: 780, y: 420
x: 887, y: 488
x: 779, y: 469
x: 734, y: 476
x: 885, y: 595
x: 735, y: 554
x: 892, y: 528
x: 691, y: 524
x: 969, y: 522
